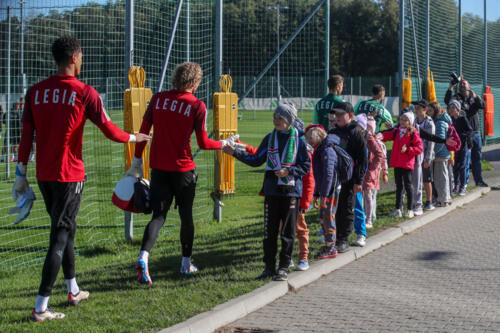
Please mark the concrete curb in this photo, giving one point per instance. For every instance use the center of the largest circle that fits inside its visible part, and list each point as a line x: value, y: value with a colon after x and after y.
x: 241, y: 306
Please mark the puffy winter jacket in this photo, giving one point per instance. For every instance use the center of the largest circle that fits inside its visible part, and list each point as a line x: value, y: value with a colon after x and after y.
x: 442, y: 124
x: 413, y: 143
x: 307, y: 185
x: 375, y: 163
x: 325, y: 167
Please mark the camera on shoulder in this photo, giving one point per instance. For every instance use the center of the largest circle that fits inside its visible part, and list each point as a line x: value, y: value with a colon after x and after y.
x: 455, y: 79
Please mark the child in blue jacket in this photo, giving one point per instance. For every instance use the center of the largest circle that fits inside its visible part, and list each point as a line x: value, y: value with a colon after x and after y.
x: 327, y: 187
x: 287, y: 161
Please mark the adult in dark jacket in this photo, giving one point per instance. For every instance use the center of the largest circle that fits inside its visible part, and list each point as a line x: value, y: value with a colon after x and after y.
x: 287, y: 161
x: 470, y: 103
x: 352, y: 140
x: 466, y: 133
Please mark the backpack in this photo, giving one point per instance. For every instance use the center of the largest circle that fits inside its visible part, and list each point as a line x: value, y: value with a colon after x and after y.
x: 344, y: 164
x: 142, y: 196
x: 452, y: 133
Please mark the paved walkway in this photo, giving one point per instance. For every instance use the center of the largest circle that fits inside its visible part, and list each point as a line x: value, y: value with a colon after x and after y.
x: 444, y: 277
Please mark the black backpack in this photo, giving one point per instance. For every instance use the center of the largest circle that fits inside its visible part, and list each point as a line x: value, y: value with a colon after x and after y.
x: 345, y: 164
x: 142, y: 196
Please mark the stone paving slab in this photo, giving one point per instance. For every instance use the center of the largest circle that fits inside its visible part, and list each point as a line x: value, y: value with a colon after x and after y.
x: 327, y: 303
x: 441, y: 278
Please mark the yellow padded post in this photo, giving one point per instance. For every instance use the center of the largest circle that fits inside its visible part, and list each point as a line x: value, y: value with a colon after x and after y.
x: 225, y: 125
x: 135, y: 103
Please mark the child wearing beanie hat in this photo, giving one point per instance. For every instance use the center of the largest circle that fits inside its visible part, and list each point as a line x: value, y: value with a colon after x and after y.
x: 287, y: 111
x: 287, y: 161
x: 407, y: 145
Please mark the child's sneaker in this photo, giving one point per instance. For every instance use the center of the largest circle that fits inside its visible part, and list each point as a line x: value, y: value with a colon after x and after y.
x: 266, y: 274
x: 369, y: 225
x: 188, y: 270
x: 327, y: 252
x: 409, y: 214
x: 462, y: 192
x: 47, y: 314
x: 418, y: 211
x: 302, y: 266
x: 360, y: 240
x: 396, y: 213
x: 75, y: 299
x: 281, y: 275
x: 291, y: 264
x: 429, y: 206
x: 143, y: 272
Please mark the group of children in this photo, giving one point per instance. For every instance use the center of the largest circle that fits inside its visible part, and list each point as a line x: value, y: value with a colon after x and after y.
x: 311, y: 167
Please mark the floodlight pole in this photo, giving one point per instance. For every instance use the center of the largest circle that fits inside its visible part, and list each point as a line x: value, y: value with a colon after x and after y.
x: 277, y: 8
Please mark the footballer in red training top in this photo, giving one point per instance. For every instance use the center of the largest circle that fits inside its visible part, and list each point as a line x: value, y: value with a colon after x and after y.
x: 57, y: 109
x: 175, y: 114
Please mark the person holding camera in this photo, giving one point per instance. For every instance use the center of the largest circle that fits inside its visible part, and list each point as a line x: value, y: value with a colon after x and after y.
x: 471, y: 104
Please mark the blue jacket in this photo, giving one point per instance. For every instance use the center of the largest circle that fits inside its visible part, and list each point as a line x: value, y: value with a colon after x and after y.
x: 442, y: 124
x: 325, y: 167
x: 300, y: 169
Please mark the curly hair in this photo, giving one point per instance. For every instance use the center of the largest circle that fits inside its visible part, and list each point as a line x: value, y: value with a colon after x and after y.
x: 436, y: 108
x: 186, y: 75
x: 63, y: 49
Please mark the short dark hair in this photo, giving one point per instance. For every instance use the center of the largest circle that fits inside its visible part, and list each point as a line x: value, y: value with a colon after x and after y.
x: 377, y: 89
x: 63, y: 49
x: 334, y: 81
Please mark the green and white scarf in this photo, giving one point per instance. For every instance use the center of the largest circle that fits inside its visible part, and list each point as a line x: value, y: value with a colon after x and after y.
x: 288, y: 157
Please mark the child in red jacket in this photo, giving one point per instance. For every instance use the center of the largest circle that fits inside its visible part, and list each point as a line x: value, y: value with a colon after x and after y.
x: 407, y: 145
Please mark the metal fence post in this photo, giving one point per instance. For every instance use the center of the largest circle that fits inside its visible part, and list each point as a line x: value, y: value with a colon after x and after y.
x: 401, y: 49
x: 460, y: 37
x: 169, y: 45
x: 301, y: 95
x: 427, y: 31
x: 254, y: 101
x: 485, y: 50
x: 188, y: 33
x: 327, y: 46
x: 7, y: 114
x: 129, y: 60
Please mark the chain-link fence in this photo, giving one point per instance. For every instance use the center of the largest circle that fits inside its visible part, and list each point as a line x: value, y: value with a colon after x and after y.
x: 443, y: 35
x: 100, y: 26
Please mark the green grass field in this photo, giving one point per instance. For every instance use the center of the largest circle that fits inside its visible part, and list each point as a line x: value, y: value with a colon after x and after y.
x: 228, y: 254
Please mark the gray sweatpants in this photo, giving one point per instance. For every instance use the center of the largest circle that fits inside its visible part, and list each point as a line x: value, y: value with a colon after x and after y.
x: 441, y: 179
x: 417, y: 181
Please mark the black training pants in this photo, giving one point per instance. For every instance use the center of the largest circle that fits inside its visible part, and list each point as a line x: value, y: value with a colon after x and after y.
x: 344, y: 217
x: 403, y: 179
x: 279, y: 209
x: 165, y: 185
x: 62, y: 201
